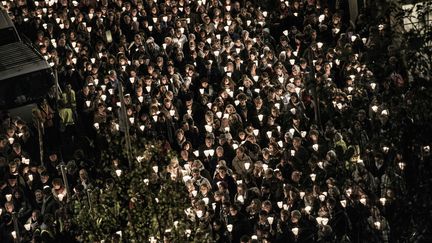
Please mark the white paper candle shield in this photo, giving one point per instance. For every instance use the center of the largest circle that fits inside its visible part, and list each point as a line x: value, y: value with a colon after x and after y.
x: 343, y: 203
x: 256, y: 132
x: 219, y: 114
x: 186, y: 178
x: 230, y: 228
x: 211, y: 152
x: 377, y: 225
x: 302, y: 194
x: 280, y: 204
x: 270, y: 220
x: 206, y: 200
x: 313, y: 176
x: 260, y: 117
x: 155, y: 169
x: 280, y: 143
x: 269, y: 134
x: 322, y: 197
x: 199, y: 213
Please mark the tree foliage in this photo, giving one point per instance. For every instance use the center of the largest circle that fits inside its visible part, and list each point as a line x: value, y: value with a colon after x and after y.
x: 139, y: 203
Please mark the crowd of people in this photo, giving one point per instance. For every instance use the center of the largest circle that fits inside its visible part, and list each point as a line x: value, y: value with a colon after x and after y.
x: 293, y: 123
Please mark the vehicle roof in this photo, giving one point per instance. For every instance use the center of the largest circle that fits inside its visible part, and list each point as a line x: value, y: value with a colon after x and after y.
x: 18, y: 59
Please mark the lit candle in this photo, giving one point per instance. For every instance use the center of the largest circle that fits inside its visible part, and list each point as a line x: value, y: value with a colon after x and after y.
x: 230, y: 228
x: 199, y: 213
x: 270, y: 220
x: 343, y: 203
x: 280, y: 204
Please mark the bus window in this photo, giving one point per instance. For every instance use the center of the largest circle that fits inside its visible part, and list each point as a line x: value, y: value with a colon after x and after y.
x: 8, y: 35
x: 24, y: 89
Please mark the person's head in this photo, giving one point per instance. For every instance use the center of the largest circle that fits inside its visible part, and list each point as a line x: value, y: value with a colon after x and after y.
x: 234, y: 209
x: 296, y: 120
x: 12, y: 179
x: 295, y: 216
x: 13, y: 166
x: 38, y: 195
x: 209, y: 141
x: 217, y: 224
x: 83, y: 174
x: 284, y: 215
x: 35, y: 215
x: 44, y: 177
x: 245, y: 238
x: 219, y: 151
x: 53, y: 156
x: 180, y: 134
x: 296, y: 142
x: 57, y: 184
x: 295, y: 176
x: 196, y: 173
x: 222, y: 170
x: 266, y: 206
x: 240, y: 151
x: 9, y: 206
x: 204, y: 188
x: 241, y: 188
